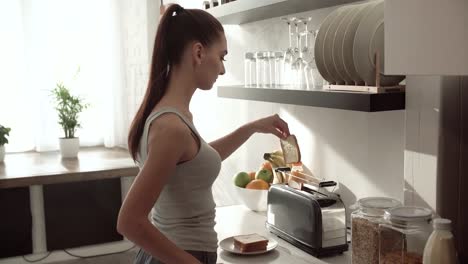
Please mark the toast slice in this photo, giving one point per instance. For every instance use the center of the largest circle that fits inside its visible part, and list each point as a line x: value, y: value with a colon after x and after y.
x: 290, y: 148
x: 250, y: 242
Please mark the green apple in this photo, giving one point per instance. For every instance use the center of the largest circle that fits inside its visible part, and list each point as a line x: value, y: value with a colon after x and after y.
x: 241, y: 179
x: 264, y: 174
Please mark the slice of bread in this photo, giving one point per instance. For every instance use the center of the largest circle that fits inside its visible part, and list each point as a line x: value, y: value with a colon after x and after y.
x: 291, y: 151
x: 250, y: 242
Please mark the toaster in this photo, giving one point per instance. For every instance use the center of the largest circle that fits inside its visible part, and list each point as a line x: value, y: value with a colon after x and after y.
x: 309, y: 218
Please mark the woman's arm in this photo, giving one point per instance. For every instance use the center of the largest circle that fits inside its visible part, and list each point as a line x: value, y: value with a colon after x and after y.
x: 133, y: 222
x: 270, y: 125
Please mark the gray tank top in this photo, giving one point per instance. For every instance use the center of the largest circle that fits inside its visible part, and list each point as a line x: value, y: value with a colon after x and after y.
x: 185, y: 209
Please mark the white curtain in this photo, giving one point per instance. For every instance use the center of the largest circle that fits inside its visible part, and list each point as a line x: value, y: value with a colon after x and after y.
x: 45, y: 42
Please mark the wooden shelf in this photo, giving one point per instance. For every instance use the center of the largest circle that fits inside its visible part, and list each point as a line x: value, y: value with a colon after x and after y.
x: 354, y: 101
x: 245, y: 11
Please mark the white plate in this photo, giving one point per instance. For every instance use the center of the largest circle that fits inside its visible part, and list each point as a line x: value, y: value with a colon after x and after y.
x: 328, y: 45
x: 227, y: 244
x: 359, y: 11
x: 369, y: 39
x: 319, y: 45
x: 337, y: 53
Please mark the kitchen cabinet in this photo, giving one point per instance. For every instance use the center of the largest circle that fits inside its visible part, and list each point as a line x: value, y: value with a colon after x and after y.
x: 16, y: 222
x: 53, y: 203
x: 245, y: 11
x: 355, y: 101
x: 81, y: 213
x: 426, y: 37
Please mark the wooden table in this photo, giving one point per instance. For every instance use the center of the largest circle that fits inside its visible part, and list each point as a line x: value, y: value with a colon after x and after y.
x: 39, y: 168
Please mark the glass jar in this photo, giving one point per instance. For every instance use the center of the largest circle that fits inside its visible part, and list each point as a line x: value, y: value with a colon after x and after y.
x: 403, y: 235
x: 365, y: 222
x: 259, y: 68
x: 249, y: 69
x: 266, y: 69
x: 271, y: 69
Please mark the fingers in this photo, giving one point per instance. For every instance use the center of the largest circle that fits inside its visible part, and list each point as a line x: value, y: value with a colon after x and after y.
x: 282, y: 126
x: 276, y: 132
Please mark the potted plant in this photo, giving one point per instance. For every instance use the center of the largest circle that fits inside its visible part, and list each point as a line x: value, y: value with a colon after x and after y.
x: 68, y: 107
x: 4, y: 132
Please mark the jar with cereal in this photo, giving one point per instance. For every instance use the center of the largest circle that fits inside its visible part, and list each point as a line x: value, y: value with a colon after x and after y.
x: 365, y: 222
x: 403, y: 235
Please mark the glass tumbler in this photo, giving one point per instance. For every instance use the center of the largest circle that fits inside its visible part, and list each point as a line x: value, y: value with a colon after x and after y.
x: 278, y: 66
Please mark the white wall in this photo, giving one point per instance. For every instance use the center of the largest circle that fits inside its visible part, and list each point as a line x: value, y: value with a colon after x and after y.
x: 363, y: 151
x: 388, y: 153
x: 421, y: 140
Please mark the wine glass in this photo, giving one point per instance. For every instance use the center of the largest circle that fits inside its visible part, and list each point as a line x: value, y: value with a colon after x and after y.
x: 288, y: 56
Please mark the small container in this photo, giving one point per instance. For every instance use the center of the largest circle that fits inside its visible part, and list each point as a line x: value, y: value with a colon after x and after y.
x: 404, y: 234
x: 206, y: 4
x: 365, y: 221
x: 440, y: 247
x: 214, y: 3
x: 265, y: 61
x: 249, y: 69
x: 271, y: 69
x: 259, y: 78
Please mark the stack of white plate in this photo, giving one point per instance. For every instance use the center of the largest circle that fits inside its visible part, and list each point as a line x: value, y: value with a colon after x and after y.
x: 347, y: 42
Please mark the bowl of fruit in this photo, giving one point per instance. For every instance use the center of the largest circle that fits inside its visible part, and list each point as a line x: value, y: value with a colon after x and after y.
x: 252, y: 187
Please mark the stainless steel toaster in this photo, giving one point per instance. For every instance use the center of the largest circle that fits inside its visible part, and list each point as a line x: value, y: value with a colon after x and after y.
x: 311, y: 219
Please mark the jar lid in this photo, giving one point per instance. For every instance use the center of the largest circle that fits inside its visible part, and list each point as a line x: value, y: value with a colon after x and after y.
x: 279, y: 54
x: 259, y: 54
x: 442, y: 224
x: 249, y: 55
x: 377, y: 205
x: 408, y: 214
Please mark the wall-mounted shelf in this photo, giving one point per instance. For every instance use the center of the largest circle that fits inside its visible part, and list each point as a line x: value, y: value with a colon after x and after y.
x: 355, y: 101
x: 245, y: 11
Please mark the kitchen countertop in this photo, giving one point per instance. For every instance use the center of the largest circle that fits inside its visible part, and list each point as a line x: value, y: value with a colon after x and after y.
x: 39, y: 168
x: 238, y: 220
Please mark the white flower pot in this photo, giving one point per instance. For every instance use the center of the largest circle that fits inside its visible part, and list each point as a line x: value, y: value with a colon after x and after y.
x: 2, y: 153
x: 69, y: 147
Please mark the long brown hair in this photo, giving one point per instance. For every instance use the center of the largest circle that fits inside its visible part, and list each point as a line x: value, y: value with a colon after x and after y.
x: 177, y: 28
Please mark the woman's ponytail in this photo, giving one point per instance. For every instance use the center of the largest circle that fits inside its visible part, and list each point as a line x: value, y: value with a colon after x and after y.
x: 177, y: 27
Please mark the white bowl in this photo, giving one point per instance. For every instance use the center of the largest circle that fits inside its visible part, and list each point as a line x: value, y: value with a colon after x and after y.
x: 255, y: 200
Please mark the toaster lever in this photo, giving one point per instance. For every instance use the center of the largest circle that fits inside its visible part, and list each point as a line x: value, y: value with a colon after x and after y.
x: 327, y: 183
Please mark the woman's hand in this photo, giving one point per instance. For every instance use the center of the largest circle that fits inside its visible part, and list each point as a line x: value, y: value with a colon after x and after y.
x: 271, y: 125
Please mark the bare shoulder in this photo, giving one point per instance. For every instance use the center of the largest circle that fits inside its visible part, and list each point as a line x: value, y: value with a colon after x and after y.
x: 168, y: 129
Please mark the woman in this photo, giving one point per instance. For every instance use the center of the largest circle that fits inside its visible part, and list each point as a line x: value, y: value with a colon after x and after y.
x: 177, y: 167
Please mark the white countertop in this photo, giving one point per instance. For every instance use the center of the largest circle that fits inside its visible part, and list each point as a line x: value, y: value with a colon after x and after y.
x: 238, y: 220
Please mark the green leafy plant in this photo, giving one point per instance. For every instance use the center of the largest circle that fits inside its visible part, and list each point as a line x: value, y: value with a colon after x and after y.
x: 4, y: 132
x: 68, y: 107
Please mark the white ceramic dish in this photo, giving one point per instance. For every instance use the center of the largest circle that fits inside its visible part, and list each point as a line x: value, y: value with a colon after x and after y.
x: 328, y: 45
x: 227, y: 244
x: 358, y: 12
x: 368, y: 40
x: 319, y: 45
x: 255, y: 200
x: 337, y: 52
